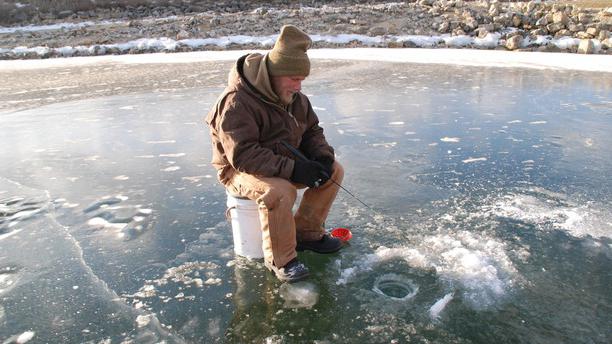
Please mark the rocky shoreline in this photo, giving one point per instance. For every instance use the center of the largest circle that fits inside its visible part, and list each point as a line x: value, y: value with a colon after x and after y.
x: 524, y: 26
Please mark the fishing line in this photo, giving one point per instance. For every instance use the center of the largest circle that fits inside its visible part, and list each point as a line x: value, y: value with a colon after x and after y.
x: 301, y: 156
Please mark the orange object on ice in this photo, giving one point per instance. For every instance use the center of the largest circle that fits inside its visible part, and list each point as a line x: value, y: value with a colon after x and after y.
x: 343, y: 234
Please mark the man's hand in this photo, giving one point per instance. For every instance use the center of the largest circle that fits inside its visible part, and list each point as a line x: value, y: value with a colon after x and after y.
x: 327, y: 162
x: 310, y: 173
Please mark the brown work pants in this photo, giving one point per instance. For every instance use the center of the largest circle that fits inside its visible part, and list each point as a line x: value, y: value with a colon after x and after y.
x: 276, y: 197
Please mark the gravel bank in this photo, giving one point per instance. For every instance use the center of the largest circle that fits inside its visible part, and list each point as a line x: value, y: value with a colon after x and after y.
x: 204, y: 25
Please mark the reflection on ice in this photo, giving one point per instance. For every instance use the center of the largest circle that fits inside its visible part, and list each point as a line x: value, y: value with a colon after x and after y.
x: 127, y: 221
x: 548, y: 210
x: 299, y: 295
x: 20, y: 338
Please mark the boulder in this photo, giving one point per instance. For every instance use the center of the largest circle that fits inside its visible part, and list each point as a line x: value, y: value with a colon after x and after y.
x: 583, y: 18
x: 542, y: 21
x: 458, y: 32
x: 514, y: 42
x: 583, y: 35
x: 554, y: 27
x: 444, y: 27
x: 481, y: 32
x: 603, y: 35
x: 575, y: 27
x: 183, y: 34
x: 562, y: 33
x: 489, y: 27
x: 377, y: 31
x: 64, y: 14
x: 560, y: 18
x: 494, y: 10
x: 470, y: 24
x: 517, y: 20
x: 538, y: 32
x: 531, y: 5
x: 586, y: 46
x: 592, y: 31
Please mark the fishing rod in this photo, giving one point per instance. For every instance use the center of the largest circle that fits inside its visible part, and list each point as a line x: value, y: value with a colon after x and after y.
x: 301, y: 156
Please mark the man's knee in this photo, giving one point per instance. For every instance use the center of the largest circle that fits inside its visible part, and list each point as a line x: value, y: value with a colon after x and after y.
x: 338, y: 172
x: 281, y: 193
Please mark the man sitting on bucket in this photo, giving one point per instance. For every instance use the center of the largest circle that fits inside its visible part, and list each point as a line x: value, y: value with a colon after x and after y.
x: 260, y: 111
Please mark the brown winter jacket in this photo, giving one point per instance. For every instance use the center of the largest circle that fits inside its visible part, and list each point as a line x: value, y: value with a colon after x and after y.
x: 248, y: 122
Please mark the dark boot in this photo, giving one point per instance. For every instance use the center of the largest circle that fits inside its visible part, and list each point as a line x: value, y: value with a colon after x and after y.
x: 292, y: 272
x: 327, y: 244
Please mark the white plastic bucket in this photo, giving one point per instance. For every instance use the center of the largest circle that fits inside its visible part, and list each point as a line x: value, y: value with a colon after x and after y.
x: 246, y: 227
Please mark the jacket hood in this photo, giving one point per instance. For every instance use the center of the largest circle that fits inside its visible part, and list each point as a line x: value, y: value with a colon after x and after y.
x: 253, y: 68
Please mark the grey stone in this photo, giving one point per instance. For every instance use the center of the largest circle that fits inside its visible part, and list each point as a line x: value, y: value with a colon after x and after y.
x: 494, y: 7
x: 514, y: 42
x: 516, y: 20
x: 377, y: 31
x: 592, y: 31
x: 182, y: 35
x: 575, y: 27
x: 481, y: 32
x: 583, y: 18
x: 489, y: 27
x: 538, y: 32
x: 554, y: 27
x: 64, y: 14
x: 542, y: 21
x: 560, y: 18
x: 444, y: 27
x: 470, y: 24
x: 531, y: 5
x: 458, y: 32
x: 586, y: 46
x: 562, y: 33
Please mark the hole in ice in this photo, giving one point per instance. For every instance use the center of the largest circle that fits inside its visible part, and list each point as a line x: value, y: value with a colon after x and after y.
x: 396, y: 287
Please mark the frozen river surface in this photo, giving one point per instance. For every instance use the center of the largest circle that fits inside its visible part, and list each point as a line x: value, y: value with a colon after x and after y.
x: 492, y: 222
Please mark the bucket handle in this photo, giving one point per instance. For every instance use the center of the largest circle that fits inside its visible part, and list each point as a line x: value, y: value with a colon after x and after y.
x: 228, y: 215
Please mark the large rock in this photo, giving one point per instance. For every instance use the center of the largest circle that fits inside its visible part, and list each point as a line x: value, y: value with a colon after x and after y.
x: 470, y: 24
x: 444, y: 27
x: 531, y: 5
x: 586, y: 46
x: 592, y: 31
x: 494, y: 10
x: 560, y: 18
x: 538, y: 32
x: 514, y: 42
x: 575, y: 27
x: 554, y: 27
x: 517, y: 20
x: 542, y: 21
x: 584, y: 18
x: 65, y: 14
x: 562, y: 33
x: 183, y: 34
x: 377, y: 31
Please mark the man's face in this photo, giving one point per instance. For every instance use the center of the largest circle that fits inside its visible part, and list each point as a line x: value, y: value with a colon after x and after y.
x: 286, y: 86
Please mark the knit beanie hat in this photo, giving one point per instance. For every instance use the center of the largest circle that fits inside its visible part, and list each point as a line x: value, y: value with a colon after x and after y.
x: 288, y: 57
